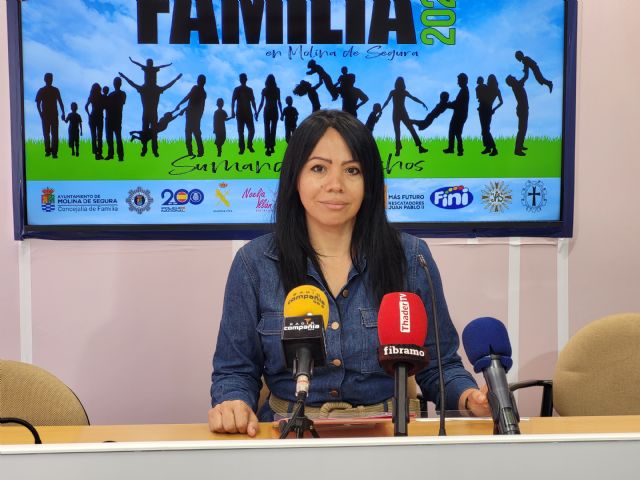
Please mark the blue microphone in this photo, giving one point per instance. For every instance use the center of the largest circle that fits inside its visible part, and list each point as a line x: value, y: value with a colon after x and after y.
x: 487, y: 345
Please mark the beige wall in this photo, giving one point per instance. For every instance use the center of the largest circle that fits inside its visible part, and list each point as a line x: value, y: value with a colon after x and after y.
x: 131, y: 326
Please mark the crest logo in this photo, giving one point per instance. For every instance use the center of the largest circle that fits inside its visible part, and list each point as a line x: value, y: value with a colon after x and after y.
x: 139, y: 200
x: 496, y: 197
x: 48, y: 199
x: 222, y: 194
x: 534, y: 196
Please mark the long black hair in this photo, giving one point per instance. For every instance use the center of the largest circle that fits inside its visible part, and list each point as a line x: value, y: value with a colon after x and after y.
x: 373, y: 238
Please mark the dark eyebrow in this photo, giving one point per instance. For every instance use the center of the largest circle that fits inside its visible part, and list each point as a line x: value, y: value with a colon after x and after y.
x: 328, y: 160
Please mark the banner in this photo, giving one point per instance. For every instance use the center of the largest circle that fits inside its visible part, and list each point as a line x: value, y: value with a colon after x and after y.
x: 179, y: 112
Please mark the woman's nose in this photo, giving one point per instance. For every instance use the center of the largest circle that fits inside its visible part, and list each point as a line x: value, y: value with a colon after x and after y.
x: 334, y: 181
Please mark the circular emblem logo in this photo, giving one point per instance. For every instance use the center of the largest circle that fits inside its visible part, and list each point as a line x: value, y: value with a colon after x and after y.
x: 139, y: 200
x: 534, y: 196
x: 496, y: 197
x: 196, y: 196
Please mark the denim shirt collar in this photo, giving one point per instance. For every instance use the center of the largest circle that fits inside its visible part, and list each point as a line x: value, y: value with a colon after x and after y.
x: 361, y: 263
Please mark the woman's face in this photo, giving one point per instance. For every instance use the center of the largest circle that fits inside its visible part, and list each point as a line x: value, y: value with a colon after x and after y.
x: 330, y: 184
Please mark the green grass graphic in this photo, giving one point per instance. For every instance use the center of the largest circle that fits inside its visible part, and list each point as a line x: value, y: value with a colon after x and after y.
x: 542, y: 160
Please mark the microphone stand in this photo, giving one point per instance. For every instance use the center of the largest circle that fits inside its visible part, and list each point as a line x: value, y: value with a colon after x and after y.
x: 298, y: 422
x: 423, y: 263
x: 400, y: 402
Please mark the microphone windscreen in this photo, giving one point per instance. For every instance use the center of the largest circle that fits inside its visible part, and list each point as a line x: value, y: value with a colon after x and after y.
x: 307, y: 300
x: 402, y: 319
x: 483, y: 337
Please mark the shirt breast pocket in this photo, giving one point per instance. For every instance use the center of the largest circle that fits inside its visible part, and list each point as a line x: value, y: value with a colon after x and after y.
x: 370, y: 342
x: 270, y: 330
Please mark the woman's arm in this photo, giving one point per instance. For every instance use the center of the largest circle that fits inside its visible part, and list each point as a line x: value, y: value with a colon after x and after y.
x: 238, y: 358
x: 260, y: 106
x: 500, y: 102
x: 387, y: 100
x: 417, y: 100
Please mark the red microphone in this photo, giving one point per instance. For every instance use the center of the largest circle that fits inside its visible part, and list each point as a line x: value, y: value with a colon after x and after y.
x: 402, y: 330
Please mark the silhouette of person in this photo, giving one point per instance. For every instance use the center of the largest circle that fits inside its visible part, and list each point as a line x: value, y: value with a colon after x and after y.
x: 324, y: 78
x: 75, y: 129
x: 161, y: 125
x: 150, y: 97
x: 290, y: 117
x: 344, y: 71
x: 486, y: 95
x: 150, y: 70
x: 374, y: 116
x: 399, y: 94
x: 220, y: 116
x: 438, y: 110
x: 352, y: 97
x: 243, y: 108
x: 47, y: 100
x: 96, y: 119
x: 530, y: 64
x: 114, y: 107
x: 272, y: 110
x: 311, y: 91
x: 522, y: 110
x: 196, y: 99
x: 460, y: 107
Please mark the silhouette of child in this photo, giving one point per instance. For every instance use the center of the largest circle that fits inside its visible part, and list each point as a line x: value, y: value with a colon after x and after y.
x: 219, y: 128
x: 150, y: 70
x: 305, y: 88
x: 374, y: 116
x: 324, y: 78
x: 290, y: 117
x: 75, y: 129
x: 438, y: 110
x: 146, y: 135
x: 530, y: 64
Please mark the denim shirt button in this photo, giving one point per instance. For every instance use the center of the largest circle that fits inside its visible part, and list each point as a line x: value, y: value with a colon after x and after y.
x: 345, y: 293
x: 336, y: 362
x: 335, y: 325
x: 334, y: 393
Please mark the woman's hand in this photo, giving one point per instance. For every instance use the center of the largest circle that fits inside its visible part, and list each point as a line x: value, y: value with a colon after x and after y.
x: 233, y: 416
x: 475, y: 401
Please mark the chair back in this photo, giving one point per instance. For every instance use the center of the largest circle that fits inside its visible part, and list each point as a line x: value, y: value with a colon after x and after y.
x: 598, y: 371
x: 35, y: 395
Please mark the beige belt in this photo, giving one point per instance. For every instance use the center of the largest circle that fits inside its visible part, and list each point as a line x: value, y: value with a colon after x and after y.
x: 340, y: 409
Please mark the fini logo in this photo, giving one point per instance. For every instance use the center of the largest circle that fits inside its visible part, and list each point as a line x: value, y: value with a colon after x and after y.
x: 452, y: 198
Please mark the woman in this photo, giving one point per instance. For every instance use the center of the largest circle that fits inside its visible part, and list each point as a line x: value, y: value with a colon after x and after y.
x: 399, y: 94
x: 96, y: 119
x: 486, y: 111
x: 330, y: 231
x: 272, y: 110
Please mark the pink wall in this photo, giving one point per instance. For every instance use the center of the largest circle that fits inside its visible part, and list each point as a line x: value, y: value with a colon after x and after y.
x: 9, y: 250
x: 131, y: 326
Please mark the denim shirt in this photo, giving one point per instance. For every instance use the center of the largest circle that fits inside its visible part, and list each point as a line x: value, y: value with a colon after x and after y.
x: 249, y: 346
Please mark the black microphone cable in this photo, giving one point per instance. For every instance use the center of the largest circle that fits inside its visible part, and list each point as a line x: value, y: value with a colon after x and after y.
x: 25, y: 424
x: 442, y: 432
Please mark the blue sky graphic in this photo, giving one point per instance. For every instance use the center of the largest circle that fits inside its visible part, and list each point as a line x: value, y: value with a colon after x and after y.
x: 87, y: 41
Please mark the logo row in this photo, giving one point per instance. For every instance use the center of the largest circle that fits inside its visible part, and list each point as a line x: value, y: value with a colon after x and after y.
x: 140, y: 200
x: 496, y: 196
